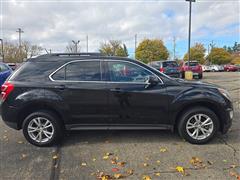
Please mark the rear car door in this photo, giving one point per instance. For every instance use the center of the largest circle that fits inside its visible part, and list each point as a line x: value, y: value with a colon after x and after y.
x: 130, y: 102
x: 84, y: 91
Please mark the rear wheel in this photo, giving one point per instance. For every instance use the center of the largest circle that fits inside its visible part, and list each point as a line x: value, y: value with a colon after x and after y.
x: 198, y: 125
x: 42, y: 128
x: 200, y: 76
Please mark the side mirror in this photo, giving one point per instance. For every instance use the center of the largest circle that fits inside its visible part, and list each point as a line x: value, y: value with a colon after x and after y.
x: 151, y: 81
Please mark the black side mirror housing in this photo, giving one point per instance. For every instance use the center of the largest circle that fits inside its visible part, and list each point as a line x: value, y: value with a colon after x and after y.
x: 151, y: 81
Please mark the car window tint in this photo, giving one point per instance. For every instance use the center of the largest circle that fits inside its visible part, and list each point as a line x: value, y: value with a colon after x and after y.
x: 192, y: 63
x: 126, y: 72
x: 83, y: 71
x: 59, y: 75
x: 3, y: 68
x: 170, y: 64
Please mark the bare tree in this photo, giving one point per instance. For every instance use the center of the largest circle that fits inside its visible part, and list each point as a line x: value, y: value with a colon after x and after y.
x: 12, y: 53
x: 71, y: 48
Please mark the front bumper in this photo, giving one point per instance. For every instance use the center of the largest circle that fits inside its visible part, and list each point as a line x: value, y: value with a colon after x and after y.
x: 228, y: 118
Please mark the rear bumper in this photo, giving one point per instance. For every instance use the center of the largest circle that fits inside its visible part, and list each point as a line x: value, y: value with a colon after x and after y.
x: 9, y: 116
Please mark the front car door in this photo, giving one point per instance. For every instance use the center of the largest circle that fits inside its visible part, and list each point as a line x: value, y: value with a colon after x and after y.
x: 131, y: 102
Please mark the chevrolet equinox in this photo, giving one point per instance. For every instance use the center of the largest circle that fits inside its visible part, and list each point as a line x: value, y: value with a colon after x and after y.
x: 88, y: 91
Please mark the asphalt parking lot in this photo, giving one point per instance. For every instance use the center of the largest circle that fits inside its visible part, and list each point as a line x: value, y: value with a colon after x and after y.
x: 127, y: 154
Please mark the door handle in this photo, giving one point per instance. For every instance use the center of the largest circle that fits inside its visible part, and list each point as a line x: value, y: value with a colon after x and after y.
x: 60, y: 87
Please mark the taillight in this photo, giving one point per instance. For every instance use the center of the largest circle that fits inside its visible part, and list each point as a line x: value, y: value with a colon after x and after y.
x: 6, y: 89
x: 161, y: 69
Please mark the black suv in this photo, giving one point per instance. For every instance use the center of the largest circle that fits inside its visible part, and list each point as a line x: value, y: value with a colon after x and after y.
x: 53, y: 93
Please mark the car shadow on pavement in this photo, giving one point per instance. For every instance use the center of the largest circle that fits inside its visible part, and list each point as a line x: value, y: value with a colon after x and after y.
x: 127, y: 136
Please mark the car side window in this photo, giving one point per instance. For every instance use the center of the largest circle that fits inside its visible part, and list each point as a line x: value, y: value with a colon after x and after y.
x: 120, y: 71
x: 3, y: 68
x: 79, y: 71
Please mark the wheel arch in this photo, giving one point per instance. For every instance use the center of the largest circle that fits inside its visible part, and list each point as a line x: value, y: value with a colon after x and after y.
x: 208, y: 105
x: 38, y: 106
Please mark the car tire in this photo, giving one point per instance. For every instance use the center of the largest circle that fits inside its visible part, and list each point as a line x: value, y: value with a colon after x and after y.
x: 187, y: 131
x: 200, y: 76
x: 42, y: 128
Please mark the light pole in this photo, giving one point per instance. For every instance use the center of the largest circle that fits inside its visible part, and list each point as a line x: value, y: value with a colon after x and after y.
x: 2, y: 50
x: 189, y: 29
x: 76, y: 44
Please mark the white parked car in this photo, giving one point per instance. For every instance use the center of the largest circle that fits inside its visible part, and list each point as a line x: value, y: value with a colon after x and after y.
x: 216, y: 68
x: 205, y: 68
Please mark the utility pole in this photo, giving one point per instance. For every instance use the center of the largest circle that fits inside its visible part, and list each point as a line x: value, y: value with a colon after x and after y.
x: 212, y: 44
x: 87, y: 43
x: 20, y: 31
x: 76, y: 45
x: 2, y: 53
x: 135, y: 44
x: 189, y: 28
x: 174, y: 47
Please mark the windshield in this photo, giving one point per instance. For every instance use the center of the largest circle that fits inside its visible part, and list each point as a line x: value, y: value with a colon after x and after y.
x: 192, y: 63
x: 170, y: 64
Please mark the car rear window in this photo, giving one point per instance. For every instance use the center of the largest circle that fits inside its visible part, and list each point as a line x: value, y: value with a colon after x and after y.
x: 192, y: 63
x: 170, y: 64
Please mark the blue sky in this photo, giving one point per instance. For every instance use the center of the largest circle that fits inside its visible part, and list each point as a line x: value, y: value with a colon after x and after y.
x: 52, y: 24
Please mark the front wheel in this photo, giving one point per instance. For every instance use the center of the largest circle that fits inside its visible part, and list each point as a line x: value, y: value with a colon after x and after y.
x: 42, y: 128
x: 198, y: 125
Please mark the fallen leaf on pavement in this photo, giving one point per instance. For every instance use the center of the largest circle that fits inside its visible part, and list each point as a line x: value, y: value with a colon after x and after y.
x: 130, y: 171
x: 234, y: 174
x: 23, y: 156
x: 210, y: 162
x: 115, y: 169
x: 118, y: 176
x: 105, y: 157
x: 158, y: 161
x: 145, y: 177
x: 224, y: 160
x: 122, y: 164
x: 84, y: 164
x: 180, y: 169
x: 20, y: 142
x: 163, y: 149
x: 145, y: 164
x: 94, y: 159
x: 195, y: 161
x: 157, y: 174
x: 55, y: 157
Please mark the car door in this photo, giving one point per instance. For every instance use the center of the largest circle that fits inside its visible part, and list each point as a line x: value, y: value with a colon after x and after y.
x: 131, y: 102
x: 84, y: 91
x: 4, y: 73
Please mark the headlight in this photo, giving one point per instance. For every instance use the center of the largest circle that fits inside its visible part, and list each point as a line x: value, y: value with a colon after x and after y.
x: 225, y: 93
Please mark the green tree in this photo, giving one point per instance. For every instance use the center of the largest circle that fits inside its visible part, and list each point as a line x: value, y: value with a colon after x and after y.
x: 113, y: 48
x: 197, y: 53
x: 151, y: 50
x: 219, y: 56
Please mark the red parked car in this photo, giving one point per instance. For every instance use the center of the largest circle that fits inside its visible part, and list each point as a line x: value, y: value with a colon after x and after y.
x: 193, y: 66
x: 230, y: 67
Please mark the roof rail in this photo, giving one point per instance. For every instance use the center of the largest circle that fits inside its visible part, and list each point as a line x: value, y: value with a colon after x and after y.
x: 71, y: 54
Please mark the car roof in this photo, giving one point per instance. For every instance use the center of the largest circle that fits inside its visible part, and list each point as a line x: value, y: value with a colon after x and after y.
x: 65, y: 57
